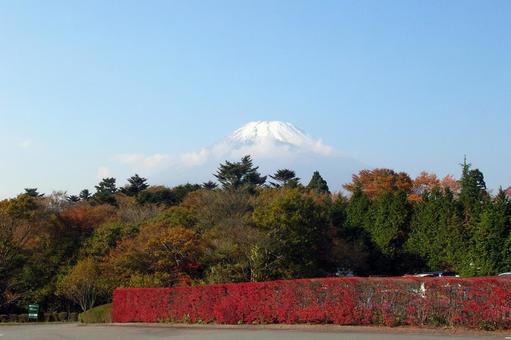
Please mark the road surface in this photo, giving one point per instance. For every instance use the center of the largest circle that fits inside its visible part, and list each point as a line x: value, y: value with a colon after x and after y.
x: 79, y: 332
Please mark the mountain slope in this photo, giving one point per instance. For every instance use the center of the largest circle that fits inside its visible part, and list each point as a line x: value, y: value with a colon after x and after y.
x: 272, y: 145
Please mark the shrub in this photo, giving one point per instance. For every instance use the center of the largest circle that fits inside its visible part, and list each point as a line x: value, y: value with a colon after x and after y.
x: 99, y: 314
x: 73, y: 316
x: 475, y: 302
x: 62, y: 316
x: 23, y: 318
x: 47, y: 317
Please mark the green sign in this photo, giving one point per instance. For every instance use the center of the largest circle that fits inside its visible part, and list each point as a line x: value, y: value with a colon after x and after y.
x: 33, y: 311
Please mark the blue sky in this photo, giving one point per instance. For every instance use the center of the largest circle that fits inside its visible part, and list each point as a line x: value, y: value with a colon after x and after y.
x: 410, y: 85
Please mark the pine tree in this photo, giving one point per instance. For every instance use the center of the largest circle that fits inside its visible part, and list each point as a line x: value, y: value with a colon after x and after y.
x: 358, y: 210
x: 135, y: 185
x: 472, y: 191
x: 84, y: 195
x: 489, y: 237
x: 209, y: 185
x: 239, y: 175
x: 390, y: 222
x: 105, y: 191
x: 32, y: 192
x: 318, y: 184
x: 73, y: 198
x: 436, y: 233
x: 285, y: 178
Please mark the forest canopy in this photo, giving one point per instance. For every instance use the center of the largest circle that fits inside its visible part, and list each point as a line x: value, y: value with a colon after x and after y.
x: 68, y: 252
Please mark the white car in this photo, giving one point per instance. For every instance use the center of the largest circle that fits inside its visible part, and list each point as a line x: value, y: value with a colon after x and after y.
x: 505, y: 274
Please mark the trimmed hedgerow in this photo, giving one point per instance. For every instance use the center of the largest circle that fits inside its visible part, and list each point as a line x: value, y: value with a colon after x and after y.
x: 475, y: 302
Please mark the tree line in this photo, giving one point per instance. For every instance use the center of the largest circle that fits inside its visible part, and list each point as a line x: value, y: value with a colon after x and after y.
x: 70, y: 252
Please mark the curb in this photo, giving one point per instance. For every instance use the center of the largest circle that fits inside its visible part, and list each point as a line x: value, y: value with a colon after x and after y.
x: 322, y: 329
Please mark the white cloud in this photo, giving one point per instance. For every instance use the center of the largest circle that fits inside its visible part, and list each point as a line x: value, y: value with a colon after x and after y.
x: 262, y: 140
x: 191, y: 159
x: 143, y: 161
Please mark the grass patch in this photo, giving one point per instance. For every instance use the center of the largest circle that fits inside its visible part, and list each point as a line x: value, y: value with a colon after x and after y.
x: 99, y: 314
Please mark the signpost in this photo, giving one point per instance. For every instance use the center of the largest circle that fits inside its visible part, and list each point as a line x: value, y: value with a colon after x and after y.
x: 33, y: 311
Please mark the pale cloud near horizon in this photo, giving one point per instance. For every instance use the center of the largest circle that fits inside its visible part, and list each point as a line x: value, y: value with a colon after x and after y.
x: 265, y: 140
x: 147, y: 164
x: 224, y: 150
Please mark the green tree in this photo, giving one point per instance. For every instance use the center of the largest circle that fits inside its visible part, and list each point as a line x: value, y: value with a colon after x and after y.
x: 318, y: 184
x: 32, y: 192
x: 135, y: 185
x: 473, y: 194
x: 489, y: 237
x: 181, y: 191
x: 158, y: 195
x: 358, y: 211
x: 105, y: 191
x: 239, y: 175
x: 223, y: 217
x: 73, y: 198
x: 297, y: 226
x: 285, y: 178
x: 437, y: 234
x: 85, y: 195
x: 82, y: 284
x: 209, y: 185
x: 16, y: 231
x: 351, y: 244
x: 390, y: 222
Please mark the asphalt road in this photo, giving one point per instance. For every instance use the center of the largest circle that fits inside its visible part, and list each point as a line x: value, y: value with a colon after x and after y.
x: 78, y: 332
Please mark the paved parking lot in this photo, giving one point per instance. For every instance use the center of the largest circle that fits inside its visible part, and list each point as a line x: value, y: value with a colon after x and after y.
x: 79, y: 332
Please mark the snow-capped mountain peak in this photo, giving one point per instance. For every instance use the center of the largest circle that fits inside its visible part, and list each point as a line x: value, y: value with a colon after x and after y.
x: 276, y: 131
x: 272, y: 144
x: 268, y: 136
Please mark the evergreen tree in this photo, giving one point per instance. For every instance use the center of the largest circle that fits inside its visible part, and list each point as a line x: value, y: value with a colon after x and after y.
x: 318, y: 184
x: 472, y: 191
x: 358, y: 210
x: 390, y: 222
x: 84, y: 195
x: 180, y: 191
x: 489, y: 237
x: 73, y: 198
x: 351, y: 244
x: 239, y: 175
x: 135, y: 185
x: 285, y: 178
x: 436, y: 234
x: 105, y: 191
x: 209, y: 185
x: 32, y: 192
x: 158, y: 195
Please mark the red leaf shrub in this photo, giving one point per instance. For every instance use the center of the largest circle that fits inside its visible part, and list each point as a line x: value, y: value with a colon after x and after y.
x: 474, y: 302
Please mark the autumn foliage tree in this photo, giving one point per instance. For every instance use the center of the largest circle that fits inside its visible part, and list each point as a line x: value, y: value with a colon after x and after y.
x: 83, y: 284
x: 68, y: 254
x: 378, y: 181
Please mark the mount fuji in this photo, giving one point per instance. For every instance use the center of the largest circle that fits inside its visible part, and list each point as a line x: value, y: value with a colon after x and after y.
x: 273, y: 145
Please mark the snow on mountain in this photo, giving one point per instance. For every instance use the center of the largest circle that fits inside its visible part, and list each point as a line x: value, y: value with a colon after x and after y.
x: 261, y: 139
x: 277, y: 133
x: 272, y: 144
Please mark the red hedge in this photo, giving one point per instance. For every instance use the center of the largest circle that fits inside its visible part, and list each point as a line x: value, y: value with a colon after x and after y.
x: 474, y: 302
